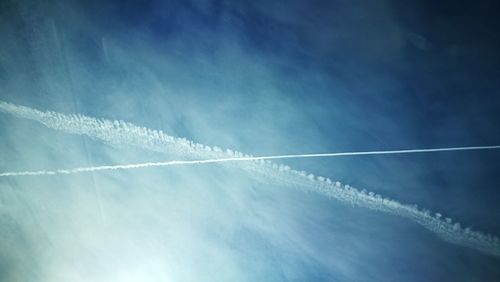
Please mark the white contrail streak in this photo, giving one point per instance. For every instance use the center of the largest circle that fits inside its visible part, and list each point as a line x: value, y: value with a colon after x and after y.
x: 387, y: 152
x: 188, y: 162
x: 115, y: 167
x: 123, y: 133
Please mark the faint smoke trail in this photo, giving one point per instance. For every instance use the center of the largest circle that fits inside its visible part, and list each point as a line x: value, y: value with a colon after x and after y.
x: 180, y: 162
x: 122, y: 133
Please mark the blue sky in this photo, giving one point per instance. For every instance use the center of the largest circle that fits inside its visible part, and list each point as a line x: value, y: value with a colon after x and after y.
x: 261, y: 78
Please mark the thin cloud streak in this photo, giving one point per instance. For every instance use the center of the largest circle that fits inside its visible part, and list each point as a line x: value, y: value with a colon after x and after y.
x: 223, y: 160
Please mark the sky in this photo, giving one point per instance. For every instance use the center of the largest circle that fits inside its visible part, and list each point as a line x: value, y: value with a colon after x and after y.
x: 262, y: 78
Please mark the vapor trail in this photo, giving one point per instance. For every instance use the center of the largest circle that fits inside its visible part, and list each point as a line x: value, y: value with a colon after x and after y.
x: 123, y: 133
x: 386, y: 152
x: 184, y: 162
x: 114, y: 167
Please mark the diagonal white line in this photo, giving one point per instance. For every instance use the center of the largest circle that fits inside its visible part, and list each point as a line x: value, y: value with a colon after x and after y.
x: 238, y: 159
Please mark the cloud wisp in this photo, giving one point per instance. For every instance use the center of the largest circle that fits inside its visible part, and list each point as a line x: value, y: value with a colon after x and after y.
x: 123, y: 133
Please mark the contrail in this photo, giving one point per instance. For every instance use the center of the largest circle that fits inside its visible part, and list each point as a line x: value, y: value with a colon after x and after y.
x: 122, y: 133
x: 386, y: 152
x: 115, y: 167
x: 188, y: 162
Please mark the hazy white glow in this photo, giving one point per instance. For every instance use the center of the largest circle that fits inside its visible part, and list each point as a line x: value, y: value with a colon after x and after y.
x: 119, y: 132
